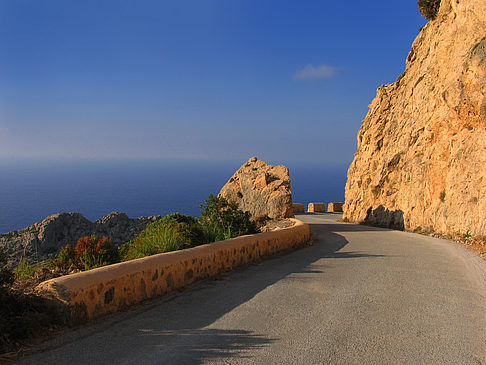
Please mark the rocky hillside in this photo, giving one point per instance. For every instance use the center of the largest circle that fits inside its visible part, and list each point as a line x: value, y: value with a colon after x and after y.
x: 45, y: 238
x: 421, y: 158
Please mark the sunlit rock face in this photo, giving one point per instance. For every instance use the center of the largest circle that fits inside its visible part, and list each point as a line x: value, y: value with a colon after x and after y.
x: 421, y: 158
x: 262, y: 190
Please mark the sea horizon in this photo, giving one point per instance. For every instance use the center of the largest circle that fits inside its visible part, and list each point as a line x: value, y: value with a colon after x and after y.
x: 33, y: 189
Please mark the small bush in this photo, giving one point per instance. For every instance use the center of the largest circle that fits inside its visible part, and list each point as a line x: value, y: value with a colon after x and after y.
x: 442, y: 196
x: 429, y: 8
x: 193, y: 230
x: 6, y: 274
x: 89, y: 253
x: 26, y: 270
x: 221, y: 220
x: 172, y: 232
x: 65, y: 259
x: 179, y: 218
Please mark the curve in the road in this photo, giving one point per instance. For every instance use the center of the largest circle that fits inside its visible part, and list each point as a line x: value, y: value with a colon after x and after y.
x: 357, y: 295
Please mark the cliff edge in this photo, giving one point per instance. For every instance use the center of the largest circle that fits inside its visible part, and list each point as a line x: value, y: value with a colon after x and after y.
x: 421, y: 158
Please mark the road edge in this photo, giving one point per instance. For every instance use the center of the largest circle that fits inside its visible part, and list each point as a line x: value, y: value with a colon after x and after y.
x: 90, y: 294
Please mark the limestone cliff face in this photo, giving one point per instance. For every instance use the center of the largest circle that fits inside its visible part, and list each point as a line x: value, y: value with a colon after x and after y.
x: 421, y: 158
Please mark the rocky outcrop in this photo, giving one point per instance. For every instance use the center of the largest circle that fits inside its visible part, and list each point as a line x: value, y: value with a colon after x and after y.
x: 421, y: 158
x: 45, y: 238
x: 262, y: 190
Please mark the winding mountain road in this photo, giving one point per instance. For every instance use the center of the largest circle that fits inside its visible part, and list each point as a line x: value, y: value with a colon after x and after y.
x: 357, y: 295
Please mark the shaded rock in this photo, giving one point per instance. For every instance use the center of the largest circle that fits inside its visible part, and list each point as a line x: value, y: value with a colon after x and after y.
x: 385, y: 218
x: 43, y: 239
x: 118, y: 226
x: 59, y: 228
x: 421, y: 154
x: 262, y: 190
x: 298, y: 208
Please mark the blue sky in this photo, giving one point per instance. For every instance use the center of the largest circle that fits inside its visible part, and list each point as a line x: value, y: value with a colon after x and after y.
x: 218, y: 80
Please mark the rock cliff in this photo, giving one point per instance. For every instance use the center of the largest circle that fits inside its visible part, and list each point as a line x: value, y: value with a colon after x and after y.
x: 421, y: 158
x: 42, y: 239
x: 261, y: 189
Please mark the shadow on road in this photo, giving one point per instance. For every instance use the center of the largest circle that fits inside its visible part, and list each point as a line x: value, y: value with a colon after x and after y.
x: 195, y: 346
x: 175, y: 326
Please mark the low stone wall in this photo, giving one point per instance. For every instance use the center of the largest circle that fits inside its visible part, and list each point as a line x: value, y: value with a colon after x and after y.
x: 93, y: 293
x: 298, y: 208
x: 335, y: 207
x: 316, y: 207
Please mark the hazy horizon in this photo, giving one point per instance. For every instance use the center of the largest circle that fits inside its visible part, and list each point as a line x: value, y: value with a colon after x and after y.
x: 103, y: 86
x: 31, y: 191
x: 192, y: 80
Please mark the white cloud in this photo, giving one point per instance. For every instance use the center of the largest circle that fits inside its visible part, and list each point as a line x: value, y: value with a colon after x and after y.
x: 311, y: 72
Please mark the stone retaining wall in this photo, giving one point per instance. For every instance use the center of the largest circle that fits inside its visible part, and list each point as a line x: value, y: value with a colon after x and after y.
x: 298, y: 208
x: 335, y: 207
x: 316, y: 207
x: 93, y: 293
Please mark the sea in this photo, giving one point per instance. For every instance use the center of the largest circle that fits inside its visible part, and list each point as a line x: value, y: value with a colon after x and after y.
x: 32, y: 190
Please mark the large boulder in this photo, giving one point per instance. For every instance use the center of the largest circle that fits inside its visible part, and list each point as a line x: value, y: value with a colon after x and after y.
x: 262, y: 190
x: 421, y: 158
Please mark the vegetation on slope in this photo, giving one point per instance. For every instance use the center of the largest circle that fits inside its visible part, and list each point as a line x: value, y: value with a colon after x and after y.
x: 429, y: 8
x: 25, y: 315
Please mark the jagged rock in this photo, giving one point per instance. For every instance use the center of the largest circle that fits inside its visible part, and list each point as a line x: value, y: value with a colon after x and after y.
x: 261, y: 189
x: 45, y: 238
x: 421, y: 158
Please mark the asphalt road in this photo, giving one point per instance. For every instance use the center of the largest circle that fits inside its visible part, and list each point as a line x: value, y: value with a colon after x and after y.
x: 358, y: 295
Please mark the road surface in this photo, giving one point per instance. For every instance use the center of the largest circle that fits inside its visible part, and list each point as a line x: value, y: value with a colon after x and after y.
x: 357, y: 295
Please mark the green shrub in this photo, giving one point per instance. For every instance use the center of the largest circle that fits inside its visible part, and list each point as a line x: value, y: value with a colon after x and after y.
x: 26, y: 270
x: 442, y: 196
x: 179, y: 218
x: 192, y: 228
x: 221, y: 220
x: 65, y: 259
x: 172, y: 232
x: 91, y: 252
x: 429, y: 8
x: 6, y: 274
